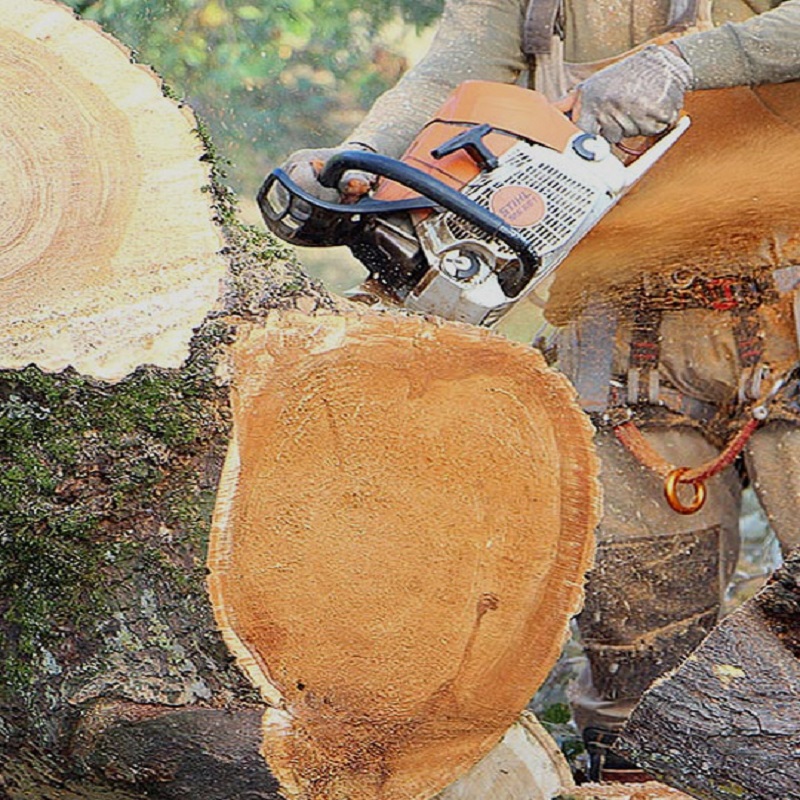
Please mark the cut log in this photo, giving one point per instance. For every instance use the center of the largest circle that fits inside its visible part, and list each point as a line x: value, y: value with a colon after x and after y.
x: 525, y: 764
x: 114, y: 419
x: 651, y: 790
x: 108, y: 254
x: 726, y: 723
x: 406, y: 510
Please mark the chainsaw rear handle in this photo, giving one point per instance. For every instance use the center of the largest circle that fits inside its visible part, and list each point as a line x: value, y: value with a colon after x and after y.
x: 432, y: 189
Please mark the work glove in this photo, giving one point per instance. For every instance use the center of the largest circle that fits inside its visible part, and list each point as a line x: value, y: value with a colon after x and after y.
x: 642, y: 95
x: 304, y: 168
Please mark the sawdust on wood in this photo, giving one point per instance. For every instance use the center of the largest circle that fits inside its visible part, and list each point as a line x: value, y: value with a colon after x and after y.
x: 401, y: 532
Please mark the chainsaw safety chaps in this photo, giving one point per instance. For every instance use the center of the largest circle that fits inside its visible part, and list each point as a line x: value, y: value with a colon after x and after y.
x: 649, y: 601
x: 659, y: 577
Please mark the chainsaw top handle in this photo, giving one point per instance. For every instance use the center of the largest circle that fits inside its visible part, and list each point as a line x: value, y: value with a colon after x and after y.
x: 431, y: 188
x: 301, y: 218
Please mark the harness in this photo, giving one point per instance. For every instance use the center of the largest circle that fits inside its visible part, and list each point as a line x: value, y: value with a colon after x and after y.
x: 642, y: 396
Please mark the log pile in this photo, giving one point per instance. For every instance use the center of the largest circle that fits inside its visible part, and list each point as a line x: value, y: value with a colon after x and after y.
x: 402, y: 522
x: 133, y: 304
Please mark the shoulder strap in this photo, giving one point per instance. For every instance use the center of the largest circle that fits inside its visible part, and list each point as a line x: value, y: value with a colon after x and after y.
x: 684, y: 14
x: 544, y: 19
x: 544, y: 22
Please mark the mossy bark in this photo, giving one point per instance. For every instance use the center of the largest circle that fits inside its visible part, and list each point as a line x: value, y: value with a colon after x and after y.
x: 114, y: 682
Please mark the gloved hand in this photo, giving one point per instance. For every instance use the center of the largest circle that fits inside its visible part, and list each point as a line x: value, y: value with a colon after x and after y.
x: 642, y: 95
x: 305, y: 166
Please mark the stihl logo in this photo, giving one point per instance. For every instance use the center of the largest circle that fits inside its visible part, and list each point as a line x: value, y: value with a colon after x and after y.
x: 519, y: 206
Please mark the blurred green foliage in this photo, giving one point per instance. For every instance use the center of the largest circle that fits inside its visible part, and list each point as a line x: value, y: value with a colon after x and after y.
x: 268, y: 77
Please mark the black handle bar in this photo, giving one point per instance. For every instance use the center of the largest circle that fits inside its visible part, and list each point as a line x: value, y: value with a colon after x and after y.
x: 435, y: 190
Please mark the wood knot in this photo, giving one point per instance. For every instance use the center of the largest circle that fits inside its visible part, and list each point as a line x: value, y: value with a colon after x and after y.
x: 489, y: 601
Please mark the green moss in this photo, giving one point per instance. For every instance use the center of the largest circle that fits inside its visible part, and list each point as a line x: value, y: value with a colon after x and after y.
x: 732, y: 789
x: 223, y: 196
x: 89, y: 473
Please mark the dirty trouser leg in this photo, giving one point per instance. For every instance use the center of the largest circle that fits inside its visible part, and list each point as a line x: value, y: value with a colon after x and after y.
x: 659, y: 576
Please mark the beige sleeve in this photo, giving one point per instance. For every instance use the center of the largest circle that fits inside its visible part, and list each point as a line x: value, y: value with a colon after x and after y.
x: 763, y: 49
x: 476, y: 40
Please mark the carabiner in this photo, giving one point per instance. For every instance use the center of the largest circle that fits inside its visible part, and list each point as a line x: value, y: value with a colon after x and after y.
x: 671, y: 483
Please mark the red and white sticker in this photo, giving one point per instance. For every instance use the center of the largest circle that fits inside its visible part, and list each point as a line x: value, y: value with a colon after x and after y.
x: 519, y: 206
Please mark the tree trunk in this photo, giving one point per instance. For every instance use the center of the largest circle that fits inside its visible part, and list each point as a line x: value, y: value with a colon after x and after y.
x: 726, y: 723
x: 127, y: 283
x: 113, y: 247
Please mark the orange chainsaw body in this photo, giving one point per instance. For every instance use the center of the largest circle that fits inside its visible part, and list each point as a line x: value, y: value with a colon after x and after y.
x: 524, y: 113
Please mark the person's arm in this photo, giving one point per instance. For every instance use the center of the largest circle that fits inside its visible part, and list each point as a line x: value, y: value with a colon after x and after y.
x: 763, y: 49
x: 476, y: 39
x: 643, y: 94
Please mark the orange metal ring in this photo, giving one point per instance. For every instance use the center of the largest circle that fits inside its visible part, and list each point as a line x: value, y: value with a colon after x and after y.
x: 671, y: 492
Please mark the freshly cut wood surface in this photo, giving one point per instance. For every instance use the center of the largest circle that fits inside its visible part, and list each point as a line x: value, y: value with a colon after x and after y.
x: 108, y: 253
x: 526, y: 763
x: 725, y: 198
x: 651, y: 790
x: 401, y: 532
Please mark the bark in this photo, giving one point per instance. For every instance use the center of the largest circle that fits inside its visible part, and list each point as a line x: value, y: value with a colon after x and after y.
x: 115, y: 417
x: 726, y: 723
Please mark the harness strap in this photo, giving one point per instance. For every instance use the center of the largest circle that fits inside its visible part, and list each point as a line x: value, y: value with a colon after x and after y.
x: 634, y: 441
x: 685, y: 14
x: 644, y: 357
x: 682, y: 14
x: 645, y: 352
x: 543, y: 32
x: 749, y: 337
x: 544, y: 19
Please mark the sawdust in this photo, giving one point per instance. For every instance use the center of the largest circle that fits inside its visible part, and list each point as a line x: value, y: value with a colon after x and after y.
x: 724, y: 199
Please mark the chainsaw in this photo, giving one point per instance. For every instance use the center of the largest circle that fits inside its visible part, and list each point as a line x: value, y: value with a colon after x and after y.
x: 487, y: 201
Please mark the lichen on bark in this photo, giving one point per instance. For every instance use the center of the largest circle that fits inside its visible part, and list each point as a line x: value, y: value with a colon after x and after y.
x: 106, y: 494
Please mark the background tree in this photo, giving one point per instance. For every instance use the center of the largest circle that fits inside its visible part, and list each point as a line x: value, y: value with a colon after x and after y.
x: 269, y: 76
